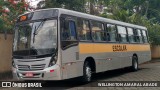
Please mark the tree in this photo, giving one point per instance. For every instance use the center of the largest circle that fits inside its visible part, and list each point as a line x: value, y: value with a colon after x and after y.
x: 9, y: 13
x: 76, y: 5
x: 141, y: 12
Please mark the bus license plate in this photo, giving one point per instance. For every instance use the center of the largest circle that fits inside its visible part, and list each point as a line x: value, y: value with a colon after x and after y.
x: 29, y: 75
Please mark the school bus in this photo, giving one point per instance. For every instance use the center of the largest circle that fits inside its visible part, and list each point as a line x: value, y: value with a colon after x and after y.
x: 58, y: 44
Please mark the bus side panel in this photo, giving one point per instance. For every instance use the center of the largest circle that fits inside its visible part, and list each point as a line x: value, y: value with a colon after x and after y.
x: 87, y: 50
x: 107, y: 59
x: 72, y: 66
x: 104, y: 59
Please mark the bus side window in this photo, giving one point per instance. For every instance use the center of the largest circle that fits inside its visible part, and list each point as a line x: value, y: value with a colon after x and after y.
x: 68, y: 33
x: 65, y: 31
x: 98, y: 31
x: 122, y: 34
x: 130, y: 35
x: 72, y: 29
x: 137, y: 36
x: 111, y: 33
x: 144, y: 34
x: 140, y: 36
x: 83, y: 30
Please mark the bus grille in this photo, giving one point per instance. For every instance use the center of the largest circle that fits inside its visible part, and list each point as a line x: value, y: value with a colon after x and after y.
x: 31, y: 67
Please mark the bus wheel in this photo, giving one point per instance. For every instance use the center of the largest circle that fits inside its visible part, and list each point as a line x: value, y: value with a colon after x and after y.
x: 134, y: 63
x: 87, y: 72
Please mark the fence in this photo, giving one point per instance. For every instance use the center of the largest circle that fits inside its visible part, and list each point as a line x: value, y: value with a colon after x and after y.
x: 155, y: 50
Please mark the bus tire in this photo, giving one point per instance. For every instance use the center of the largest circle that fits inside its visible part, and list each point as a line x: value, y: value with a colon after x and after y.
x: 134, y: 66
x: 87, y: 72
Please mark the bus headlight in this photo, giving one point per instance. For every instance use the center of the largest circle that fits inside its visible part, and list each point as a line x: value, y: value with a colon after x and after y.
x: 53, y: 61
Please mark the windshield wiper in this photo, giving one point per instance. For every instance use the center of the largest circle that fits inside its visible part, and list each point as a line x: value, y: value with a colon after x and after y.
x: 36, y: 29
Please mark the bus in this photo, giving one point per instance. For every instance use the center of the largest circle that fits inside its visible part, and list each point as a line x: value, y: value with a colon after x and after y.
x: 58, y: 44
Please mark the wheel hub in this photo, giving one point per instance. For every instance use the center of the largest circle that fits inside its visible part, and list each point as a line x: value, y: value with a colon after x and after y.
x: 88, y: 72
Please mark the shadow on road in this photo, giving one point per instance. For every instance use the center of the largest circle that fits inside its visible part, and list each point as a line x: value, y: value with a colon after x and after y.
x: 113, y: 73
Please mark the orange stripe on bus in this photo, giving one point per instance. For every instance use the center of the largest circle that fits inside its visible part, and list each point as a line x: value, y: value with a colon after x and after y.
x: 101, y: 48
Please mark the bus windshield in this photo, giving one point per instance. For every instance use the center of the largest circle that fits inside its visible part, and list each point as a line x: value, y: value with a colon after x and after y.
x: 35, y: 39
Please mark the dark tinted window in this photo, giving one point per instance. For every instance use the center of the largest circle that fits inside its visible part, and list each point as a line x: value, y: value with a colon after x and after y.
x: 70, y: 32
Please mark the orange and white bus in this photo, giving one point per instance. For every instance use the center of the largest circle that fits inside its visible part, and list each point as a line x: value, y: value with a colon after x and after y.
x: 57, y: 44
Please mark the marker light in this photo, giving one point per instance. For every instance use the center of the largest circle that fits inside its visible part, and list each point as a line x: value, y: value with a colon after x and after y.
x: 23, y: 18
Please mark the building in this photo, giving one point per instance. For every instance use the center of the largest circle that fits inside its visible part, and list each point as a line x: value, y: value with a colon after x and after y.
x: 35, y: 4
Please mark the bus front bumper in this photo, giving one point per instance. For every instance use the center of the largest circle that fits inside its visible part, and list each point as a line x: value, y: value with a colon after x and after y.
x: 50, y: 73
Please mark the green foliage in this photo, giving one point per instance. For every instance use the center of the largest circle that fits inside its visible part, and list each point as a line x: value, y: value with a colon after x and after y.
x: 141, y: 12
x: 76, y: 5
x: 7, y: 19
x: 154, y: 34
x: 52, y: 4
x: 1, y: 24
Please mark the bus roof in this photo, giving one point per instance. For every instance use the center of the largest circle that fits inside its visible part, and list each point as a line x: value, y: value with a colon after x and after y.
x: 93, y: 17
